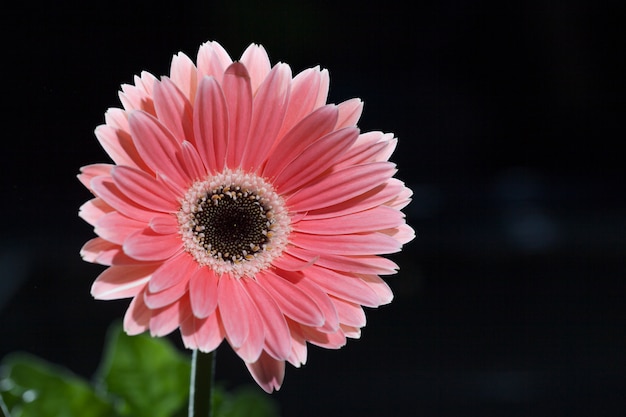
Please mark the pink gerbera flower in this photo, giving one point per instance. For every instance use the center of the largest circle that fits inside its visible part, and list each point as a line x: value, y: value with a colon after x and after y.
x: 241, y: 206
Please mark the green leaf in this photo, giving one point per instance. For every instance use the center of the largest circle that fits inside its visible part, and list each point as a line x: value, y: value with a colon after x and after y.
x: 147, y: 376
x: 31, y: 387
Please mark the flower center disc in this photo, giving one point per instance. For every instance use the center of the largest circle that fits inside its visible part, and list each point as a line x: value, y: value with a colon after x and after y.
x: 234, y: 223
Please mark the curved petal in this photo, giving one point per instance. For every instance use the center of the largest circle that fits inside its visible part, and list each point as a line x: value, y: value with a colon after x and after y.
x: 209, y: 332
x: 173, y: 271
x: 293, y: 302
x: 210, y: 124
x: 203, y: 292
x: 160, y: 299
x: 232, y: 302
x: 157, y: 146
x: 277, y: 338
x: 118, y: 144
x: 349, y: 113
x: 377, y: 218
x: 349, y: 313
x: 107, y: 190
x: 137, y: 317
x: 272, y: 94
x: 118, y: 282
x: 307, y: 131
x: 184, y: 75
x: 238, y: 95
x: 89, y: 172
x: 212, y: 60
x: 103, y: 252
x: 345, y: 286
x: 368, y: 264
x: 315, y: 159
x: 147, y: 245
x: 167, y: 319
x: 93, y: 210
x: 116, y: 227
x: 174, y: 109
x: 341, y: 186
x: 304, y: 90
x: 164, y: 224
x: 267, y: 372
x: 144, y: 190
x: 352, y: 244
x: 257, y: 63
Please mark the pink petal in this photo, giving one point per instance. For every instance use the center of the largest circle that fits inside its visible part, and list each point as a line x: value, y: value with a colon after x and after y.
x: 107, y: 190
x: 307, y: 131
x: 341, y: 186
x: 89, y: 172
x: 143, y: 189
x: 403, y: 233
x: 157, y: 146
x: 291, y: 263
x: 174, y: 109
x: 147, y: 245
x: 331, y: 321
x: 298, y: 354
x: 188, y: 333
x: 367, y: 151
x: 351, y: 332
x: 315, y: 159
x: 376, y: 283
x: 137, y: 317
x: 212, y: 60
x: 267, y: 372
x: 118, y: 144
x: 277, y: 338
x: 192, y: 162
x: 167, y: 319
x: 168, y: 296
x: 184, y: 75
x: 344, y: 286
x: 257, y: 63
x: 203, y: 292
x: 272, y: 94
x: 353, y: 244
x: 209, y: 332
x: 116, y: 118
x: 93, y: 210
x: 164, y: 224
x: 322, y: 94
x: 94, y: 248
x: 210, y: 124
x: 238, y: 95
x: 327, y: 340
x: 293, y: 301
x: 118, y: 282
x: 304, y: 90
x: 233, y: 302
x: 116, y: 227
x: 377, y: 218
x: 375, y: 197
x: 103, y: 252
x: 173, y: 271
x: 349, y: 313
x: 349, y: 113
x: 368, y: 264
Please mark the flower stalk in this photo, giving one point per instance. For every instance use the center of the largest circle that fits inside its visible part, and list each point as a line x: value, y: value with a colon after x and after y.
x: 201, y: 384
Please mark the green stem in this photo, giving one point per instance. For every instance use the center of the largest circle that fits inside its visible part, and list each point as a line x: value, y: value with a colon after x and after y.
x: 201, y: 384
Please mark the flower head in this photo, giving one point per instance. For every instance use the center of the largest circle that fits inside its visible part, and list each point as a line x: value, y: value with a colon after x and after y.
x: 241, y: 206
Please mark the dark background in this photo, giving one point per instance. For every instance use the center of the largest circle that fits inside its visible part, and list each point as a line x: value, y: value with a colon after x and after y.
x: 510, y: 117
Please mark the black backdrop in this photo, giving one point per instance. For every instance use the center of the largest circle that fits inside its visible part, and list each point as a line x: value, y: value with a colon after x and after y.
x: 510, y: 119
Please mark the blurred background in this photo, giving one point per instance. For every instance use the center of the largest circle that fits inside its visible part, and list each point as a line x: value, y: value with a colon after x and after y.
x: 511, y: 121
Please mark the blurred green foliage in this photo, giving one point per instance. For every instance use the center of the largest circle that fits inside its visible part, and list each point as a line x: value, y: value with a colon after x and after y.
x: 139, y: 376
